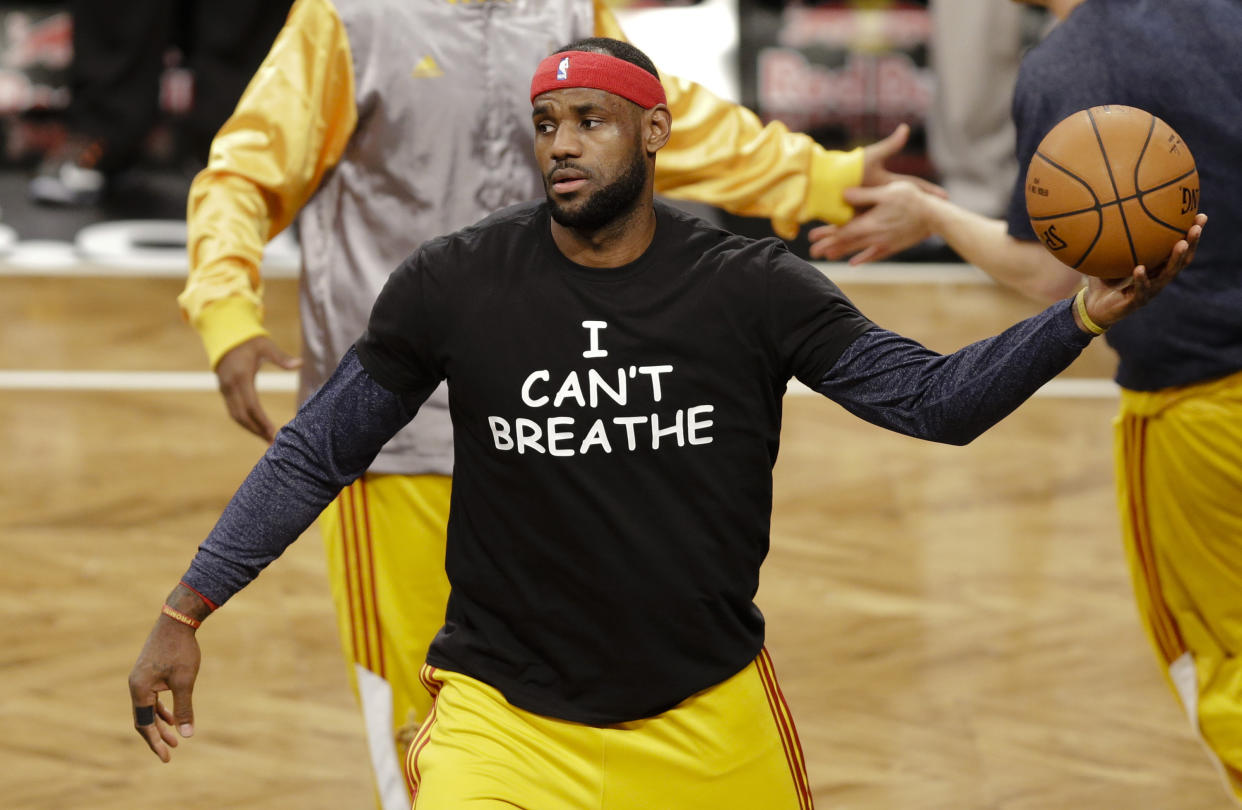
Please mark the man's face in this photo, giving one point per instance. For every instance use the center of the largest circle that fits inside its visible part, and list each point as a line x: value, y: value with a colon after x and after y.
x: 588, y: 144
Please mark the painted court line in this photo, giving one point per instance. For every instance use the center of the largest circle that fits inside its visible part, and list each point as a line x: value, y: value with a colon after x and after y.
x: 134, y: 381
x: 285, y: 381
x: 65, y: 260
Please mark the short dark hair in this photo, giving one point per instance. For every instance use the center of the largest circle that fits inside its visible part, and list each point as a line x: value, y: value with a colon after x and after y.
x: 613, y: 47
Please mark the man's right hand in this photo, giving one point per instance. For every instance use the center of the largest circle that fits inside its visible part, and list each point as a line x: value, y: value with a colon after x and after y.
x: 168, y: 662
x: 236, y: 372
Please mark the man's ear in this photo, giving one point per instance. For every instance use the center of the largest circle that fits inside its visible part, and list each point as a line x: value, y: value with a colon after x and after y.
x: 657, y: 126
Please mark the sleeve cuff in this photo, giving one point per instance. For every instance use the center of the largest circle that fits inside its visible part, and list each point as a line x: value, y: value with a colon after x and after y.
x: 227, y: 323
x: 1073, y: 334
x: 831, y: 173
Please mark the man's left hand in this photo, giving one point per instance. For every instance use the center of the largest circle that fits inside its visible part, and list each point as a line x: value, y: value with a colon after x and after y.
x: 1110, y: 300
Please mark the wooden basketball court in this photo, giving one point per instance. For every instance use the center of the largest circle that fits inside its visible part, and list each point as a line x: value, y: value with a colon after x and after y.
x: 953, y: 627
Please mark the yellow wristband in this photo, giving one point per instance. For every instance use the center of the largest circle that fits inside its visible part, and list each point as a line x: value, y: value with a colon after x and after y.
x: 177, y: 615
x: 1080, y: 304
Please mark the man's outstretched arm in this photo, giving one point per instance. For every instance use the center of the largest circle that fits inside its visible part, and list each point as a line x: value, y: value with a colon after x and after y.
x: 894, y: 382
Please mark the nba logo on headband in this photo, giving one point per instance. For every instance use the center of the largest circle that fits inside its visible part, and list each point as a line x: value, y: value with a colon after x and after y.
x: 599, y: 71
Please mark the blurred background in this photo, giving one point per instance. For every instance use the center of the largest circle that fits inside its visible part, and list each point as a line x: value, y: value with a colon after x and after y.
x: 845, y: 71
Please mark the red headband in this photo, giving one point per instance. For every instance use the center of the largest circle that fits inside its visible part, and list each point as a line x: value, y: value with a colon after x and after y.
x: 599, y: 71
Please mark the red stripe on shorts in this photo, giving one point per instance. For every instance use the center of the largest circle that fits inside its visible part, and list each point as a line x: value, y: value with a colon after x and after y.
x: 785, y: 726
x: 347, y: 570
x: 426, y: 674
x: 375, y: 613
x: 359, y: 564
x: 1168, y: 639
x: 431, y: 682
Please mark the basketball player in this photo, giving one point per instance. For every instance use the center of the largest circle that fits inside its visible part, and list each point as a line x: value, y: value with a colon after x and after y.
x: 606, y: 354
x: 1179, y: 431
x: 377, y: 124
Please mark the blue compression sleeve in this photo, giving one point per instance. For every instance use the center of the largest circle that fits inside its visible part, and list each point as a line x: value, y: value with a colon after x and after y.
x: 896, y: 383
x: 333, y: 439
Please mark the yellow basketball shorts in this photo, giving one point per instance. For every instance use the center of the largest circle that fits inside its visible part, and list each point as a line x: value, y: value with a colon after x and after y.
x: 1179, y: 479
x: 730, y: 747
x: 384, y: 537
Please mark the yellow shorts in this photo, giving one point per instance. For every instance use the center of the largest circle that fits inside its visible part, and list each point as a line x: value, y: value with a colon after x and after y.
x: 730, y: 747
x: 384, y: 538
x: 1179, y: 479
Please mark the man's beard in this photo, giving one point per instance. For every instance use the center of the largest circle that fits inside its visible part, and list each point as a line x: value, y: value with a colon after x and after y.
x: 607, y: 204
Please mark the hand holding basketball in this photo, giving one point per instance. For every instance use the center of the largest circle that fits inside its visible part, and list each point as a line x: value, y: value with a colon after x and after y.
x: 1111, y: 188
x: 1109, y: 300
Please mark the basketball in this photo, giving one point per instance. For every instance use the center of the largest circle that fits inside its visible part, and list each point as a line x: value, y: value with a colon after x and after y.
x: 1110, y: 188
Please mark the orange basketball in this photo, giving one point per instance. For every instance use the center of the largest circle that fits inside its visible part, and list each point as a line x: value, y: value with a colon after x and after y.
x: 1110, y: 188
